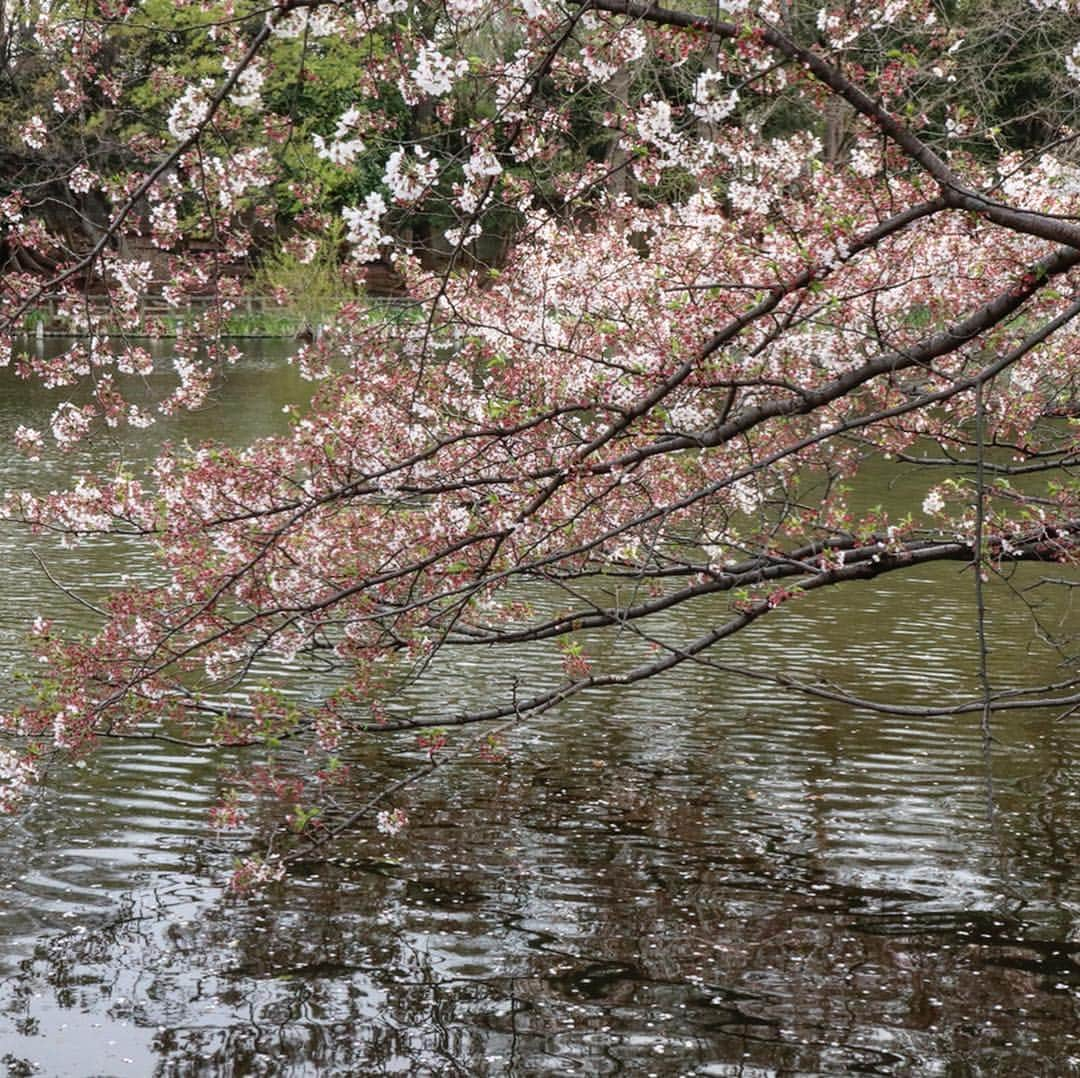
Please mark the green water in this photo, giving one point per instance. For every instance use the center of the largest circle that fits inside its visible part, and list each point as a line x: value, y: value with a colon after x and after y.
x: 702, y: 877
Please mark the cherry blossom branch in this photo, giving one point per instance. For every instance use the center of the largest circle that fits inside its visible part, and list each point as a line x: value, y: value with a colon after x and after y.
x: 108, y: 233
x: 977, y: 564
x: 863, y: 565
x: 1001, y: 700
x: 939, y: 344
x: 987, y: 315
x: 954, y: 191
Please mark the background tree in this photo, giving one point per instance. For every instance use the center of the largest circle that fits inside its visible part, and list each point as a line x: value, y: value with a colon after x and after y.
x: 657, y: 396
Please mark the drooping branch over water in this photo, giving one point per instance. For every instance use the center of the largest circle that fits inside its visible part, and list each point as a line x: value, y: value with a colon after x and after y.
x: 664, y: 284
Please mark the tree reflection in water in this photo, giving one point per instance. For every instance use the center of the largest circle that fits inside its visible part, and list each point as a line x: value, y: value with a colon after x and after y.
x: 586, y: 915
x: 701, y: 879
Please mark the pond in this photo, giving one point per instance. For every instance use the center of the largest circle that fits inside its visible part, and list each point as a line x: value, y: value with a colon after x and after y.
x: 699, y: 878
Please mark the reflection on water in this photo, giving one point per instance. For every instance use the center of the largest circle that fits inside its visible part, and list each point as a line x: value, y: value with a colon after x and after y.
x: 699, y: 879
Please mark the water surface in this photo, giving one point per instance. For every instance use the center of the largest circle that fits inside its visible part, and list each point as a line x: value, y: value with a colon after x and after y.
x: 699, y: 878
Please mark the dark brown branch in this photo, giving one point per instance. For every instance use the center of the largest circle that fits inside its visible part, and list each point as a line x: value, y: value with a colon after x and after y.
x: 954, y: 191
x: 1044, y: 545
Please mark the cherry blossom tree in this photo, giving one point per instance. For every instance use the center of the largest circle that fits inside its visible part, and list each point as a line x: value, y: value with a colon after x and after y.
x: 743, y: 249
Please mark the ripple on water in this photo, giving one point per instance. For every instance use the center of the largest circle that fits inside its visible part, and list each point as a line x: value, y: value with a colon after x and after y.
x: 703, y: 877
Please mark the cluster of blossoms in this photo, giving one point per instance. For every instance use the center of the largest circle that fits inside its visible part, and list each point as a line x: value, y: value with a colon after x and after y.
x: 866, y: 158
x: 71, y: 95
x: 314, y: 23
x: 1050, y: 183
x: 933, y: 503
x: 409, y: 176
x: 247, y: 94
x: 840, y: 27
x: 610, y: 49
x: 34, y: 133
x: 711, y: 103
x: 365, y: 233
x: 1072, y: 62
x: 28, y: 441
x: 229, y: 180
x: 69, y: 423
x: 164, y: 223
x: 17, y: 777
x: 434, y: 73
x: 391, y: 821
x: 343, y: 147
x: 190, y: 109
x: 481, y: 167
x: 131, y: 279
x: 465, y: 9
x: 656, y: 127
x: 252, y: 873
x: 81, y: 180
